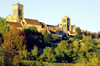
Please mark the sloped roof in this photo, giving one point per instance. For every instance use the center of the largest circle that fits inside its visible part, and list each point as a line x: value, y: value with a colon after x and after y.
x: 15, y: 24
x: 72, y: 32
x: 93, y: 33
x: 42, y: 31
x: 43, y: 25
x: 68, y: 36
x: 32, y: 22
x: 51, y: 27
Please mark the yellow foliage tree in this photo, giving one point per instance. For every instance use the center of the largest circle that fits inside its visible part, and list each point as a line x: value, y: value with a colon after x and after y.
x: 14, y: 39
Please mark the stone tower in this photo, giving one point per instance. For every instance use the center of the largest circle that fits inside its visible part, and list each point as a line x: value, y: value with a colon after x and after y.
x: 17, y: 12
x: 66, y: 24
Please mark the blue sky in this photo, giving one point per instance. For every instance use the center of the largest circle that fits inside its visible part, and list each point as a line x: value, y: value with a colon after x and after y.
x: 83, y: 13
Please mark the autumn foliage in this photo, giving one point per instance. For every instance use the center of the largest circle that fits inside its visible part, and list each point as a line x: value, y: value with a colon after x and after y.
x: 15, y: 39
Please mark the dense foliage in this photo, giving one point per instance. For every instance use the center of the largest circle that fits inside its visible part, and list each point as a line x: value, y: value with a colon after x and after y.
x: 78, y: 35
x: 47, y: 37
x: 4, y: 27
x: 14, y: 39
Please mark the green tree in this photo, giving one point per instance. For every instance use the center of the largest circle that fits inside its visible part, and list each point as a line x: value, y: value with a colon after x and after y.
x: 4, y: 27
x: 25, y: 54
x: 54, y: 37
x: 33, y: 29
x: 64, y: 52
x: 78, y: 35
x: 78, y: 30
x: 48, y: 55
x: 34, y: 51
x: 47, y: 37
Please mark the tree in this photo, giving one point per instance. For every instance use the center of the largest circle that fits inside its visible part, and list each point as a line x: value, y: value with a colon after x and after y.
x: 25, y: 54
x: 4, y: 27
x: 33, y: 29
x: 78, y: 35
x: 34, y: 51
x: 47, y: 37
x: 54, y: 37
x: 14, y: 39
x: 78, y: 30
x: 63, y: 52
x: 48, y: 55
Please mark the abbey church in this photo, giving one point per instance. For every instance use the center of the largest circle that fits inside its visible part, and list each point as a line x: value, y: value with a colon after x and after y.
x: 18, y: 21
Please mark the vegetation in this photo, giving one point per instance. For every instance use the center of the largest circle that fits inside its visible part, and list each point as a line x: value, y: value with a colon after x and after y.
x: 30, y: 48
x: 14, y: 39
x: 4, y: 27
x: 47, y: 37
x: 78, y: 35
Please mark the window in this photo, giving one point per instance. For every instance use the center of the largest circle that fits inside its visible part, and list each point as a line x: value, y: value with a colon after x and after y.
x: 65, y: 25
x: 64, y: 20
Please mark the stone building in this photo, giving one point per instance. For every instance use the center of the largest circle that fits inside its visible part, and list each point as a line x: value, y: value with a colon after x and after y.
x: 17, y: 13
x: 67, y: 27
x: 66, y: 24
x: 17, y: 19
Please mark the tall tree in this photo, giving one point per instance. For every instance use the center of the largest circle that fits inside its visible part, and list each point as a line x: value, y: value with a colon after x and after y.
x: 4, y: 27
x: 79, y: 34
x: 78, y: 30
x: 47, y: 37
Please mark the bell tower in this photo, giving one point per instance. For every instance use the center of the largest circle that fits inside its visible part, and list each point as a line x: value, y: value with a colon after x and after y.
x: 17, y: 12
x: 66, y: 24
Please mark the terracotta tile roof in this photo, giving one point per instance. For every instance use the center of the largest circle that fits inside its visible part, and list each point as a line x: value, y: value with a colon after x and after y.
x: 32, y: 21
x: 15, y: 24
x: 72, y: 32
x: 42, y: 31
x: 93, y: 33
x: 23, y: 23
x: 51, y: 27
x: 68, y: 36
x: 43, y: 25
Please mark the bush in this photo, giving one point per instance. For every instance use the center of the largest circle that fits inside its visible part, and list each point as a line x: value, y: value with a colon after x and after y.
x: 25, y: 54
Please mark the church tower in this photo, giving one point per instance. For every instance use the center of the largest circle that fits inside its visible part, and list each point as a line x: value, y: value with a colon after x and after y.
x: 66, y: 24
x: 17, y: 12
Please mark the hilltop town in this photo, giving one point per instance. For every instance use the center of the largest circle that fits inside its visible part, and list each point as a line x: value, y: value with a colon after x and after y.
x: 28, y: 42
x: 18, y: 21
